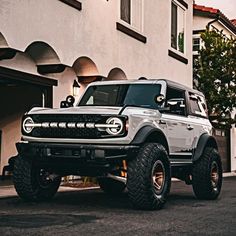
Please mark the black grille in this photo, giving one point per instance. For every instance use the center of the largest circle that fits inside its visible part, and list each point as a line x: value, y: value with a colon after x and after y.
x: 89, y: 133
x: 69, y: 118
x: 65, y: 133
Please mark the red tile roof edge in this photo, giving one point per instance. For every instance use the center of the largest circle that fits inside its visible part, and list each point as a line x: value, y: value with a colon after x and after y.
x: 205, y: 9
x: 233, y: 21
x: 217, y: 13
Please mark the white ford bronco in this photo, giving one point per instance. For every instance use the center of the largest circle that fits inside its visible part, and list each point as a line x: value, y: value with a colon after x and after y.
x: 132, y: 135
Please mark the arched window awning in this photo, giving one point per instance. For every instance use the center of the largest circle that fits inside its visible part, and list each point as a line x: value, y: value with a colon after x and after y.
x: 45, y: 57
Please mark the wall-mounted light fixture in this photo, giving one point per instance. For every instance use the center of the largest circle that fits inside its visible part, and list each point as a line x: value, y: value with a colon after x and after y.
x: 76, y: 87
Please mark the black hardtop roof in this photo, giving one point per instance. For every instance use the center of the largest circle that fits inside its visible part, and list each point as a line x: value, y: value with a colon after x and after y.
x: 150, y: 81
x: 180, y: 86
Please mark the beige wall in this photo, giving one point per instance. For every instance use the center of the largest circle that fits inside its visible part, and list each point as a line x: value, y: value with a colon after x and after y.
x: 92, y: 33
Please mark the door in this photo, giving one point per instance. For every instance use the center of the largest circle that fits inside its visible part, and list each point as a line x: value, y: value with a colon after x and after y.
x: 179, y: 131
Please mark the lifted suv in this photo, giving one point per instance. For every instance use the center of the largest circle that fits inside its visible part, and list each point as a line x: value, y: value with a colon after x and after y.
x: 134, y: 134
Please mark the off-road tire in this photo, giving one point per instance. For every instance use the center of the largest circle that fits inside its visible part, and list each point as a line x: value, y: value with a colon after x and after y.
x: 26, y: 181
x: 111, y: 186
x: 207, y: 175
x: 140, y: 184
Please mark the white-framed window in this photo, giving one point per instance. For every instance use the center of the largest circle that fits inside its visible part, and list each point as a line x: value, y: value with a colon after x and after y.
x: 196, y: 44
x: 131, y: 12
x: 178, y: 27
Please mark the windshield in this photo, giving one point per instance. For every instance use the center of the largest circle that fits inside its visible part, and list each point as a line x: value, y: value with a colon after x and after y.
x: 122, y: 94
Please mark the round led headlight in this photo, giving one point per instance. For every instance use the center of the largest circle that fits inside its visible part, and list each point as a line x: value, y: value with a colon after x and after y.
x: 115, y: 126
x: 28, y: 125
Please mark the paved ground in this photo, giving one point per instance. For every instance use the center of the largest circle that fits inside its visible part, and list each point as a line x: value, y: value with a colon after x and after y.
x: 91, y: 212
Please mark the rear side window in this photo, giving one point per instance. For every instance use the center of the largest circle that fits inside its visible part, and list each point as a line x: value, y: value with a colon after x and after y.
x: 197, y: 105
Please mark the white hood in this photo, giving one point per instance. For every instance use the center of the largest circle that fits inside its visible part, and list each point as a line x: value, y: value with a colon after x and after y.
x: 77, y: 110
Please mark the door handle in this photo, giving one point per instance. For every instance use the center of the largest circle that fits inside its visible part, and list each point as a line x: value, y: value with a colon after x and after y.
x: 189, y: 127
x: 162, y: 122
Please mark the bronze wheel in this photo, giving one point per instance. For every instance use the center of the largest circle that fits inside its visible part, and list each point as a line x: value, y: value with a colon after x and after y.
x: 207, y: 175
x: 214, y: 175
x: 158, y: 177
x: 149, y: 177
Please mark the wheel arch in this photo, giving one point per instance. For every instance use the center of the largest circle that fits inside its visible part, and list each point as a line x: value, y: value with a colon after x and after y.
x: 204, y: 141
x: 150, y: 134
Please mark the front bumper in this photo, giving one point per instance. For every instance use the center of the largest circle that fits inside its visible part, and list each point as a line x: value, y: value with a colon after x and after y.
x: 77, y: 159
x: 76, y: 151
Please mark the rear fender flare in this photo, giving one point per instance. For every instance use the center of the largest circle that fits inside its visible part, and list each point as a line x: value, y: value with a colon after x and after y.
x: 204, y: 141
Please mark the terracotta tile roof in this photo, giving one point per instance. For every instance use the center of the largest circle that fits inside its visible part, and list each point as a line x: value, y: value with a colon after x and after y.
x: 205, y: 9
x: 215, y: 14
x: 233, y: 21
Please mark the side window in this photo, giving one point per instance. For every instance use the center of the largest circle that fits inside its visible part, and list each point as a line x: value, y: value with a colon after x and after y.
x: 175, y: 101
x: 131, y: 12
x: 178, y: 26
x: 197, y: 44
x: 197, y: 105
x: 194, y: 106
x: 125, y: 10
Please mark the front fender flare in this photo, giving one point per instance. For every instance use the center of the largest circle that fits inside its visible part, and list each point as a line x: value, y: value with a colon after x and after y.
x: 147, y: 131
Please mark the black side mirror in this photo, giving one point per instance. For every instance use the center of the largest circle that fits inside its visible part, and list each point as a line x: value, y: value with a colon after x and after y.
x: 69, y: 102
x: 160, y: 99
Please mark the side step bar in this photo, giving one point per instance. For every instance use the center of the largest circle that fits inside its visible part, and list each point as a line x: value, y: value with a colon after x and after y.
x: 181, y: 162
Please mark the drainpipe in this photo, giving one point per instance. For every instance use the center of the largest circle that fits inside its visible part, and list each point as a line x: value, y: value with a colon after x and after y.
x: 213, y: 21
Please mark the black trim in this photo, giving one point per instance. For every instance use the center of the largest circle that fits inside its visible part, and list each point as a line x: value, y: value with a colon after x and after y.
x: 182, y: 2
x: 181, y: 157
x: 199, y: 31
x: 90, y: 78
x: 7, y: 53
x: 177, y: 57
x: 51, y: 68
x: 204, y: 140
x: 73, y: 3
x: 76, y: 146
x: 20, y: 76
x: 180, y: 162
x: 147, y: 131
x: 131, y: 32
x: 71, y: 151
x: 227, y: 22
x: 204, y: 13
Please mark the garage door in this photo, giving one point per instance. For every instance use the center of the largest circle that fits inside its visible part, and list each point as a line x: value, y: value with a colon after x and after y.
x: 19, y: 92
